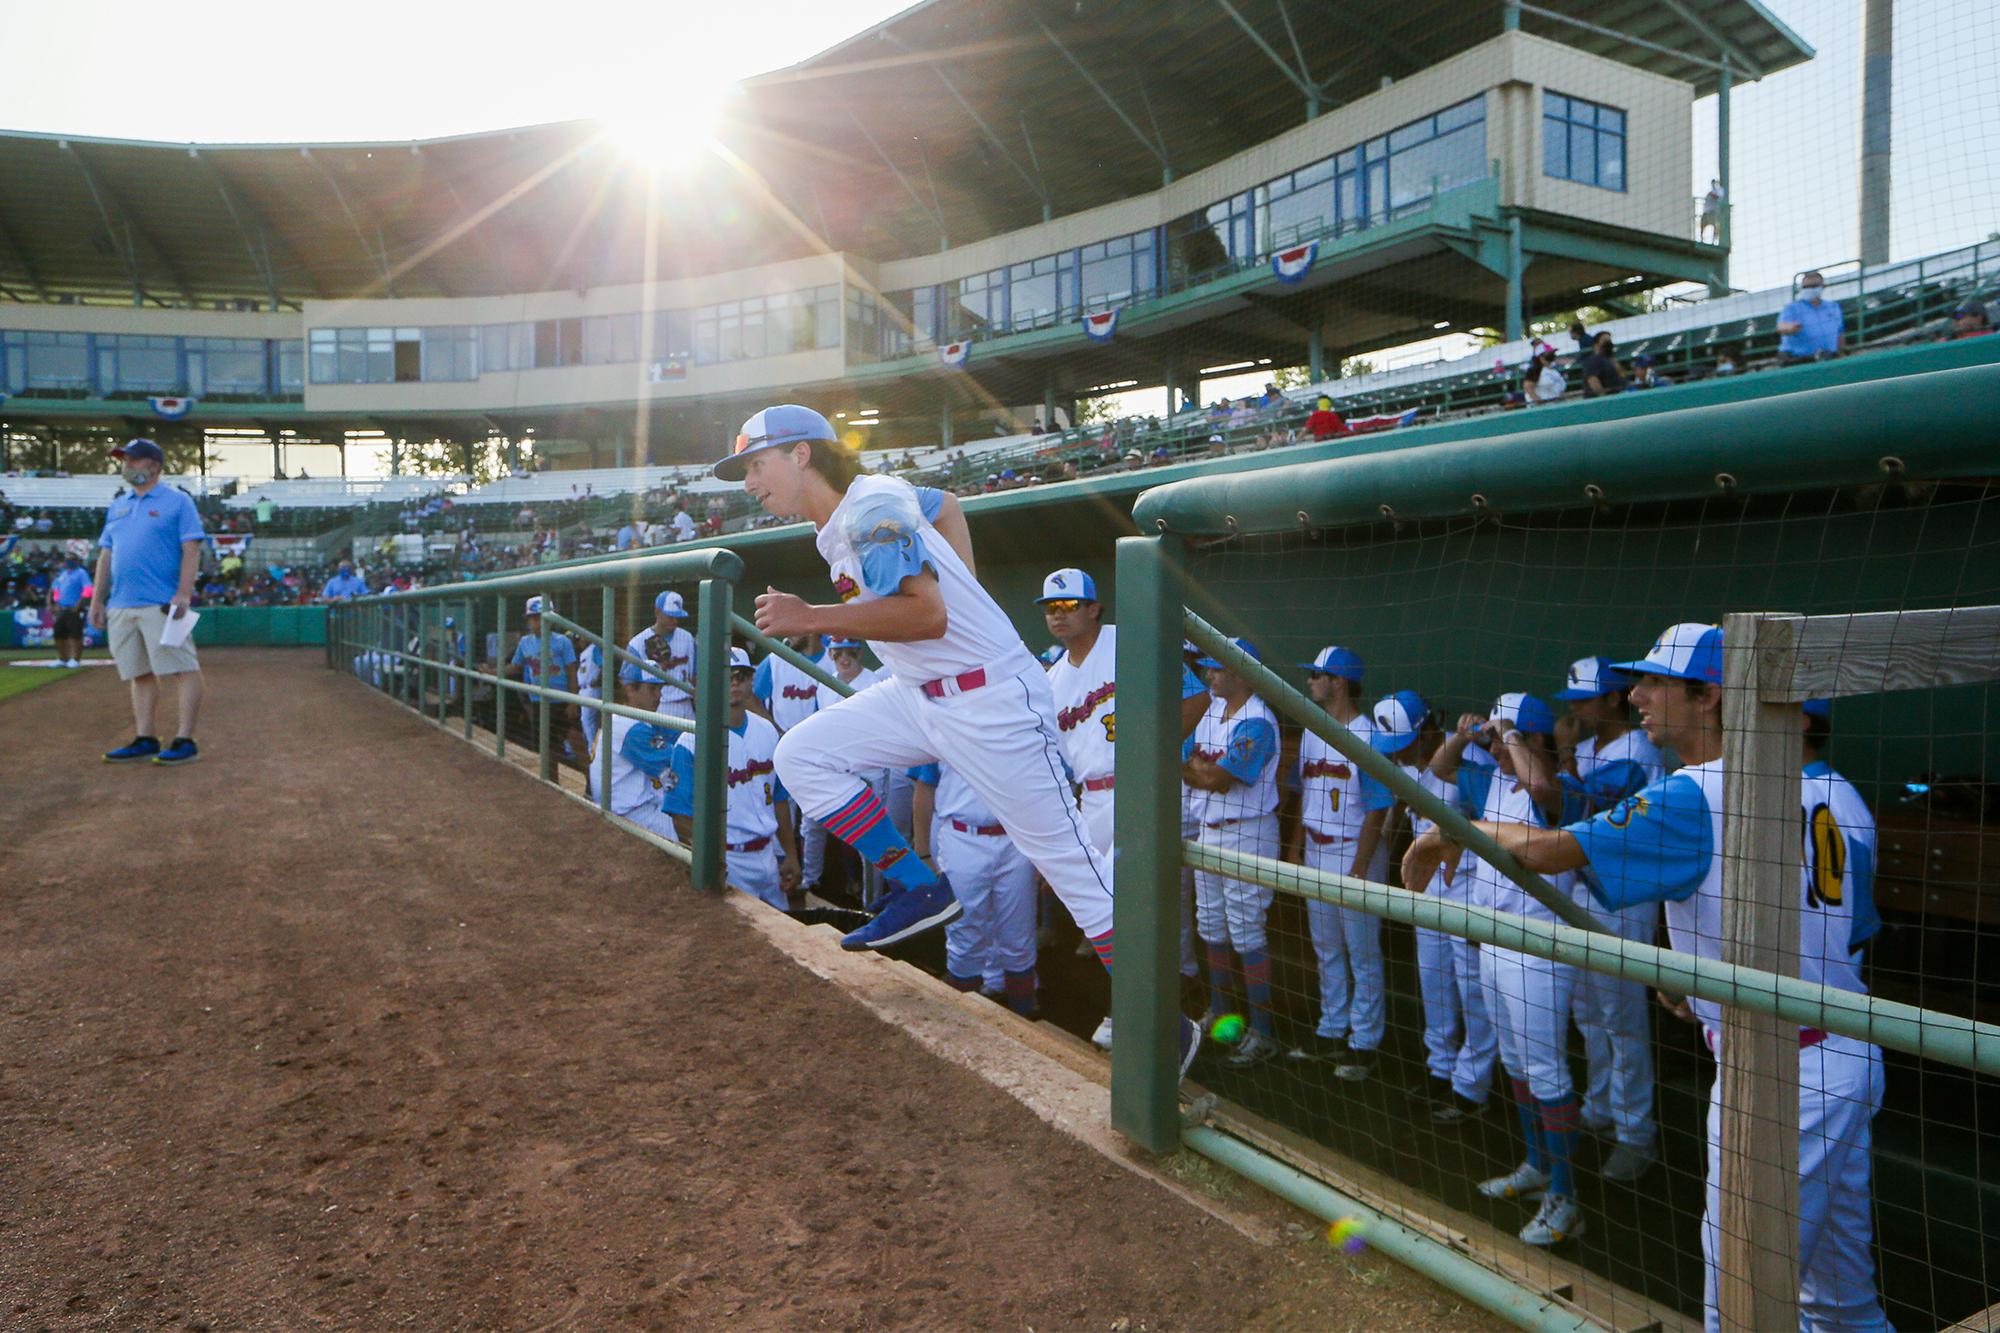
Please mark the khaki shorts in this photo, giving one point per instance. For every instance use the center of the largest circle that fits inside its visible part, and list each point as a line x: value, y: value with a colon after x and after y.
x: 135, y: 643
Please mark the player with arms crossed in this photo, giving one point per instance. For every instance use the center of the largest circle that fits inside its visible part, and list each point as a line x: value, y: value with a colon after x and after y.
x: 1664, y: 844
x: 962, y: 689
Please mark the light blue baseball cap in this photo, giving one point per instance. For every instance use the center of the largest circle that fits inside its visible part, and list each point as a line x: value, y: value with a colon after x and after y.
x: 1526, y: 712
x: 1342, y: 662
x: 1818, y: 707
x: 1249, y: 648
x: 1068, y: 585
x: 774, y: 428
x: 1592, y: 678
x: 671, y: 604
x: 1398, y: 719
x: 1687, y: 651
x: 832, y: 644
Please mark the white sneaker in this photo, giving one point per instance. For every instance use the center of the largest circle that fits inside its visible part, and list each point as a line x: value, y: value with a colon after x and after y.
x: 1627, y: 1163
x: 1523, y: 1182
x: 1559, y: 1218
x: 1254, y: 1049
x: 1102, y: 1037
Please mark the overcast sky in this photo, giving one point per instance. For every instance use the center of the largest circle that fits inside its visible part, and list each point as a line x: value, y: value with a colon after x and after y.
x: 240, y: 70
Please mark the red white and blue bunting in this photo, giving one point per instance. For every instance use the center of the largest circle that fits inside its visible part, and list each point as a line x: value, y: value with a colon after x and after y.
x: 173, y: 409
x: 1387, y: 421
x: 230, y: 543
x: 954, y: 354
x: 1102, y: 327
x: 1292, y: 265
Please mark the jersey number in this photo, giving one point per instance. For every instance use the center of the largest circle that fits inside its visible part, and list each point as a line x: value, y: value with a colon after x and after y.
x: 1826, y: 858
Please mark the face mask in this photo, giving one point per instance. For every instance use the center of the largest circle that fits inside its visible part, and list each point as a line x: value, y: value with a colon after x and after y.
x: 135, y: 476
x: 1811, y: 294
x: 1725, y: 368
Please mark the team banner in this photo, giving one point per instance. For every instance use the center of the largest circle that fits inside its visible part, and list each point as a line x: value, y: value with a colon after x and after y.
x: 227, y: 544
x: 668, y: 369
x: 1385, y: 422
x: 173, y: 409
x: 1101, y: 328
x: 1292, y: 265
x: 954, y: 354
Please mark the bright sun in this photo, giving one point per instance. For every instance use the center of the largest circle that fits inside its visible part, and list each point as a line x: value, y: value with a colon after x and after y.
x: 676, y: 130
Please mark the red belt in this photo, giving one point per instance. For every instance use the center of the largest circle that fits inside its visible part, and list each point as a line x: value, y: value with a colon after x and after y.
x: 1321, y: 838
x: 944, y: 686
x: 983, y: 830
x: 754, y: 845
x: 1105, y: 783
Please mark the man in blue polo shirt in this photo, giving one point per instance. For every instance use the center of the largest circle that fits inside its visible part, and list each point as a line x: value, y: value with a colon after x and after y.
x: 1811, y: 328
x: 150, y: 552
x: 344, y: 584
x: 527, y: 659
x: 66, y: 595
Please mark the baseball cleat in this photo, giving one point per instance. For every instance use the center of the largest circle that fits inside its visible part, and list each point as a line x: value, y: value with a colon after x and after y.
x: 142, y: 748
x: 1523, y: 1182
x: 1254, y: 1049
x: 1627, y: 1163
x: 1101, y: 1038
x: 182, y: 751
x: 1559, y: 1218
x: 905, y: 914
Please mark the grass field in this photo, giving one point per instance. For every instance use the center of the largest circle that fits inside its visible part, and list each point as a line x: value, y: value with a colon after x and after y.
x: 20, y: 680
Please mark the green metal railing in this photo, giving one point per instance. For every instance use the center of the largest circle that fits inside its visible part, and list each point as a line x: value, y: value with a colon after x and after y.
x: 380, y: 631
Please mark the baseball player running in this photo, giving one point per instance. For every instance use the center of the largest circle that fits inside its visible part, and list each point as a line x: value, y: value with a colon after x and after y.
x: 963, y: 688
x: 993, y: 881
x: 1231, y: 763
x: 1603, y: 759
x: 1527, y: 998
x: 670, y: 647
x: 641, y: 754
x: 1664, y: 843
x: 1342, y: 813
x: 1459, y: 1044
x: 759, y: 816
x: 1083, y: 679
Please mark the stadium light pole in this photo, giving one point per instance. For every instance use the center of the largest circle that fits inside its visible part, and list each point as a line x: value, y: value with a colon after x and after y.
x: 1878, y: 45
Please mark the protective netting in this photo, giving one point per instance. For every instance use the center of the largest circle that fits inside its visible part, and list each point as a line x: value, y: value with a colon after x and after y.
x: 1465, y: 613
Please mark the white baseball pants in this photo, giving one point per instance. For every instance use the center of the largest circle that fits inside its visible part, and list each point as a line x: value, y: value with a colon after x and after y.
x: 1528, y: 999
x: 1840, y: 1090
x: 1348, y: 946
x: 1001, y: 738
x: 996, y: 886
x: 756, y: 873
x: 1616, y: 1018
x: 1229, y: 911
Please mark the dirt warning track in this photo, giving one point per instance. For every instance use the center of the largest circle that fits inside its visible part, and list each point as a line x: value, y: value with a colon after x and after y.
x: 347, y: 1026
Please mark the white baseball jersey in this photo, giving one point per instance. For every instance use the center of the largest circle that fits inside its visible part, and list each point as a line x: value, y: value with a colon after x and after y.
x: 639, y: 764
x: 751, y: 781
x: 1508, y: 802
x: 1840, y: 847
x: 794, y: 694
x: 876, y: 537
x: 1442, y: 788
x: 1086, y: 707
x: 1334, y: 798
x: 590, y: 670
x: 674, y: 653
x: 828, y: 696
x: 1245, y: 743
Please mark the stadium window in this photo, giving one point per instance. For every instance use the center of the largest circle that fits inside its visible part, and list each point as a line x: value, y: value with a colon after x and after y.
x: 381, y: 362
x: 226, y: 365
x: 548, y: 343
x: 1437, y: 153
x: 864, y: 325
x: 450, y: 353
x: 141, y: 363
x: 14, y: 368
x: 787, y: 324
x: 409, y: 356
x: 1583, y: 141
x: 923, y: 316
x: 729, y: 331
x: 1111, y: 273
x: 978, y: 303
x: 754, y: 344
x: 826, y: 315
x: 493, y: 340
x: 520, y: 346
x: 291, y: 365
x: 705, y: 342
x: 1297, y: 207
x: 624, y: 339
x: 57, y: 361
x: 1035, y: 290
x: 672, y: 335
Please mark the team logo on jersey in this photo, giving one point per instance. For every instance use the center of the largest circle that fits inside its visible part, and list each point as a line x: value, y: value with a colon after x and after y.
x: 1326, y: 768
x: 1631, y: 808
x: 847, y: 588
x: 670, y: 779
x: 1069, y: 719
x: 799, y: 692
x: 1826, y: 858
x: 754, y: 769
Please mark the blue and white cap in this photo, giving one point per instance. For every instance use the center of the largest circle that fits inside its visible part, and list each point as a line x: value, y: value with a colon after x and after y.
x: 1591, y: 678
x: 1068, y: 585
x: 450, y: 623
x: 773, y: 428
x: 671, y: 604
x: 1051, y: 653
x: 1525, y: 711
x: 832, y: 644
x: 739, y: 659
x: 1249, y: 649
x: 534, y: 607
x: 1687, y: 651
x: 1342, y: 662
x: 1398, y: 719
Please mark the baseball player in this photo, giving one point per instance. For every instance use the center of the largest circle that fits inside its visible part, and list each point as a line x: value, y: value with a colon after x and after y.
x: 1459, y: 1043
x: 963, y: 688
x: 759, y: 820
x: 589, y: 683
x: 454, y: 653
x: 1603, y: 759
x: 1839, y: 830
x: 1527, y: 998
x: 527, y: 657
x: 891, y: 786
x: 1342, y: 813
x: 1665, y: 843
x: 1231, y: 763
x: 1083, y: 679
x: 664, y: 642
x: 995, y: 884
x: 641, y: 754
x: 788, y: 696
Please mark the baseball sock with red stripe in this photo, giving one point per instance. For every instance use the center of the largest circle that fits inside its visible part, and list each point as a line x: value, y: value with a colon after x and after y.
x: 1559, y: 1128
x: 1257, y: 987
x: 1530, y: 1113
x: 862, y: 823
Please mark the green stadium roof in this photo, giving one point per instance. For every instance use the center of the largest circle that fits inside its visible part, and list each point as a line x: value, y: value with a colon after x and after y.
x: 955, y: 118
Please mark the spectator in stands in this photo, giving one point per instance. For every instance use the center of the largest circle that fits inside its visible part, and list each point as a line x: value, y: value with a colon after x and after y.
x: 682, y: 522
x: 25, y: 521
x: 1161, y: 456
x: 1728, y: 359
x: 1599, y: 368
x: 1580, y: 336
x: 1543, y: 383
x: 1324, y: 423
x: 653, y: 533
x: 44, y: 525
x: 1711, y: 211
x: 1811, y: 328
x: 627, y: 538
x: 344, y: 584
x: 1646, y: 375
x: 1971, y: 321
x: 1272, y: 400
x: 1134, y: 461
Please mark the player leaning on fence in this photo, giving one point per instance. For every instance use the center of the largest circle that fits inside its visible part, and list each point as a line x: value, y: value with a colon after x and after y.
x: 1664, y: 844
x: 962, y: 686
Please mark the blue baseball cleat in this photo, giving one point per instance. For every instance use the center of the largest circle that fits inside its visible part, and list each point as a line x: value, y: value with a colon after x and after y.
x: 141, y: 749
x: 906, y: 913
x: 182, y: 751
